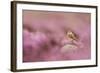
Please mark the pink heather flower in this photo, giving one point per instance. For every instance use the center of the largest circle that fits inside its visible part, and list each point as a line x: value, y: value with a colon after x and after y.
x: 47, y: 39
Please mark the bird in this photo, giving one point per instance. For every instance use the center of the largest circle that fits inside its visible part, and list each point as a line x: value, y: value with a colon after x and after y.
x: 71, y: 35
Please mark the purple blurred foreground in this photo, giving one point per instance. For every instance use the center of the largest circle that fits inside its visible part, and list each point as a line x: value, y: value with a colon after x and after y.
x: 45, y: 36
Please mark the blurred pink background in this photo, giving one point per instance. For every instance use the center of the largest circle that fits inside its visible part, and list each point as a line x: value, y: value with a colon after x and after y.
x: 45, y: 36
